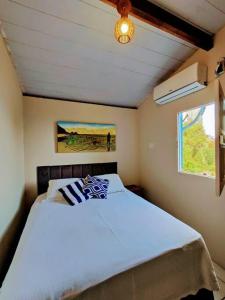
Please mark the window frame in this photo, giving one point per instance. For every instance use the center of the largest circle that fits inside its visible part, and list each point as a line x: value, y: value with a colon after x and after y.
x: 180, y: 139
x: 220, y: 126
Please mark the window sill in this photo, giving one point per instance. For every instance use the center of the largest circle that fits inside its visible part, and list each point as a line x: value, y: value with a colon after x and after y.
x: 199, y: 175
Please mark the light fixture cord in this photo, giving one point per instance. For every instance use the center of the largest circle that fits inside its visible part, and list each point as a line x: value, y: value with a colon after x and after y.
x: 124, y: 7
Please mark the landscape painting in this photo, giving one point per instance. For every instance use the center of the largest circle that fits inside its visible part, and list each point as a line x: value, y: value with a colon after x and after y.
x: 85, y: 137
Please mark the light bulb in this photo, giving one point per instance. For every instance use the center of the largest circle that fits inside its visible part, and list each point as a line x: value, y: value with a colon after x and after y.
x: 124, y: 27
x: 124, y: 30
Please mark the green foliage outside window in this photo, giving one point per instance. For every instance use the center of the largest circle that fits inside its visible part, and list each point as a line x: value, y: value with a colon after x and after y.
x: 198, y: 151
x: 197, y: 141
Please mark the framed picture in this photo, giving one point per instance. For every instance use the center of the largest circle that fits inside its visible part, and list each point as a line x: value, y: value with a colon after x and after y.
x: 85, y: 137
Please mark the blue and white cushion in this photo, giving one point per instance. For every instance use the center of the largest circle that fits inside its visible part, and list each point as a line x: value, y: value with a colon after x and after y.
x: 96, y: 188
x: 74, y: 193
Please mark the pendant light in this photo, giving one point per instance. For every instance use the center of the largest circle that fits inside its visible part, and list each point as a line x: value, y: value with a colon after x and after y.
x: 124, y: 28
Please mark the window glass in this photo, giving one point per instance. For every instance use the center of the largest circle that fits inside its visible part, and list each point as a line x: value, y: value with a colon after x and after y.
x: 196, y: 140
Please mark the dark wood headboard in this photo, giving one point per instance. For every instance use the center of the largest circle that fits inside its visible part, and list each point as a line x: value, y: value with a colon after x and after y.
x: 46, y: 173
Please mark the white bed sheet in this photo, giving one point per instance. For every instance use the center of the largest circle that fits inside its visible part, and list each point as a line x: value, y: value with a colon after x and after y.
x: 66, y: 250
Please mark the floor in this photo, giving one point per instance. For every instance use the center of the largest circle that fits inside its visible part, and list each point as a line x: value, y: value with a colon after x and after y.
x: 221, y: 277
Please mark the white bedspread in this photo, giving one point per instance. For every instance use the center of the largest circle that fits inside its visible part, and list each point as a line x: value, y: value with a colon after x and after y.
x: 64, y: 248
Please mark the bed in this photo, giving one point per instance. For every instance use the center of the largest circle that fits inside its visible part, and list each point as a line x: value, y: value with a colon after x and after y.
x: 119, y: 248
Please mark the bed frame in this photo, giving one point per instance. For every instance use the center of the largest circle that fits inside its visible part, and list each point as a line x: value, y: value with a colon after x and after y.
x: 46, y: 173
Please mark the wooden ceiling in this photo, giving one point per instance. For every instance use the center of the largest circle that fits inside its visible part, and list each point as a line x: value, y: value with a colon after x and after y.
x: 66, y: 49
x: 207, y: 14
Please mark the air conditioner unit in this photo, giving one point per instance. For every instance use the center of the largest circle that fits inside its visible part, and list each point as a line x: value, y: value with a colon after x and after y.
x: 189, y: 80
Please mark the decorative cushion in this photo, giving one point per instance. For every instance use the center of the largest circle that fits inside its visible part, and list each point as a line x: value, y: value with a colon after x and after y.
x: 54, y: 185
x: 74, y: 193
x: 95, y: 187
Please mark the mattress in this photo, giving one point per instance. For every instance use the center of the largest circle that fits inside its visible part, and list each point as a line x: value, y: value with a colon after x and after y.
x: 119, y: 248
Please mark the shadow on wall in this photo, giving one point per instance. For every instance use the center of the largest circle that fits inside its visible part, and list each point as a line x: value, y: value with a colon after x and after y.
x: 31, y: 195
x: 10, y: 239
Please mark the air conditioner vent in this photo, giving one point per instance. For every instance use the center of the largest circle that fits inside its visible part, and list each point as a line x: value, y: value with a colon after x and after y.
x: 189, y: 80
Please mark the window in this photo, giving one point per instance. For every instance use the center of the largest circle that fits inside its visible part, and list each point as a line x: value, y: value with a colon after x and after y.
x: 196, y: 141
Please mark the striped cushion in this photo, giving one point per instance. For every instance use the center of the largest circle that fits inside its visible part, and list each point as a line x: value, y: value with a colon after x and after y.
x: 73, y: 193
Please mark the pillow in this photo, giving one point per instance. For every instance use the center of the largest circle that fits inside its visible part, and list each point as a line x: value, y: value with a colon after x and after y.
x: 95, y: 187
x: 73, y: 193
x: 115, y: 183
x: 54, y: 186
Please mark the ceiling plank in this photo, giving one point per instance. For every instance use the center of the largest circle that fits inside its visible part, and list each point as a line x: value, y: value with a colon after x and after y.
x: 168, y: 22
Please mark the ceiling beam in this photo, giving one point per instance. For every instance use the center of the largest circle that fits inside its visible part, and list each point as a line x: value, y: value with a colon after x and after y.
x: 166, y: 21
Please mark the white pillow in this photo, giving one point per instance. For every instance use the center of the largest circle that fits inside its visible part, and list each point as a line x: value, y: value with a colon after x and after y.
x: 115, y: 183
x: 53, y: 187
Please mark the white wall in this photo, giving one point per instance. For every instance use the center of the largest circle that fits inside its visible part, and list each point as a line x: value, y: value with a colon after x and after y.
x: 11, y: 141
x: 40, y: 117
x: 188, y: 197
